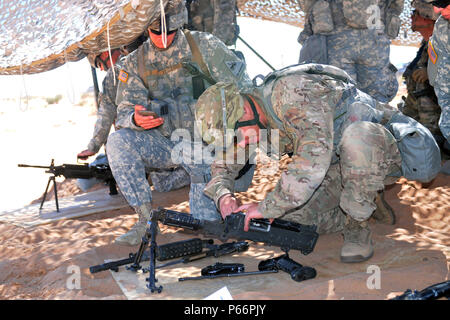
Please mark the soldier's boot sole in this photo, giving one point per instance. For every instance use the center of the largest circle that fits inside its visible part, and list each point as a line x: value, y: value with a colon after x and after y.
x: 358, y: 246
x: 355, y: 258
x: 384, y: 212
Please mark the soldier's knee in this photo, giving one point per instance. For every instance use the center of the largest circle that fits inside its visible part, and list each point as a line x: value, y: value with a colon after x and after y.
x: 357, y: 133
x: 114, y: 140
x: 118, y: 142
x: 362, y: 146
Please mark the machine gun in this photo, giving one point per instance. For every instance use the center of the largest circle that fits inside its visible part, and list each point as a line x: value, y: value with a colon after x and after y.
x: 433, y: 292
x: 284, y: 234
x: 76, y: 171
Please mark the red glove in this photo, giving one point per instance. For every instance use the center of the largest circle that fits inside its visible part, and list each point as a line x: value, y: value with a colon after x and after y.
x: 142, y: 119
x: 83, y: 155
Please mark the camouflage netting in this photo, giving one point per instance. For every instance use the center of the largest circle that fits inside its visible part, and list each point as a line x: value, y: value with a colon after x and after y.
x: 40, y: 35
x: 288, y: 11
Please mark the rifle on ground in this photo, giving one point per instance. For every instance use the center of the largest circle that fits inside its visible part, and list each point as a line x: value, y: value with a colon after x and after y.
x: 284, y: 234
x: 76, y: 171
x: 433, y: 292
x: 190, y: 250
x: 229, y: 270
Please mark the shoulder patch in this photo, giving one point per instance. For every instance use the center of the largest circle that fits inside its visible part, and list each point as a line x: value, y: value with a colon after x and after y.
x: 123, y: 76
x: 235, y: 67
x: 432, y: 53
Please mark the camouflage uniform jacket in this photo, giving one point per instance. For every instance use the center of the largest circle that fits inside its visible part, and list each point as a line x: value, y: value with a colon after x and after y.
x: 215, y: 16
x: 311, y: 111
x: 107, y: 110
x: 170, y: 83
x: 421, y: 102
x: 439, y: 71
x: 327, y: 16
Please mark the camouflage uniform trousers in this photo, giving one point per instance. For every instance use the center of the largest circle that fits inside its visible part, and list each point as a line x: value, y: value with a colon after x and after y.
x: 443, y: 94
x: 368, y: 153
x: 217, y: 17
x: 364, y: 55
x: 131, y: 152
x: 423, y: 109
x: 170, y: 179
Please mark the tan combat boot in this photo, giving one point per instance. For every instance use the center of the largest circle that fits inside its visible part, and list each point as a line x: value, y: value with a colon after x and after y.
x: 358, y: 245
x: 383, y: 213
x: 134, y: 236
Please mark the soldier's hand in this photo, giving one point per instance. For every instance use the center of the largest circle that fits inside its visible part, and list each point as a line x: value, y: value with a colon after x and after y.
x: 420, y: 75
x: 228, y: 204
x: 146, y: 121
x: 83, y: 155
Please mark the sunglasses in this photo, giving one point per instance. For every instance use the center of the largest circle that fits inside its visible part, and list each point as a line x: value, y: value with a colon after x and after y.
x: 159, y: 32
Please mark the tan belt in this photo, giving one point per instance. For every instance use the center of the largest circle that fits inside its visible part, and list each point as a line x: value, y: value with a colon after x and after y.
x: 155, y: 72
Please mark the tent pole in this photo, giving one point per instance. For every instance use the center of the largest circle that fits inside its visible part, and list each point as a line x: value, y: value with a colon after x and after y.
x: 96, y: 91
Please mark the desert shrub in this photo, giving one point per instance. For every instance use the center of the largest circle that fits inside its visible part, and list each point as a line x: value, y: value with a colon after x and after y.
x: 53, y: 100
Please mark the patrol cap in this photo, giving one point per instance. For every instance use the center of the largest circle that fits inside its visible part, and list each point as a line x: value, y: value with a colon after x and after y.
x: 218, y: 102
x: 425, y: 9
x: 439, y: 3
x: 176, y: 16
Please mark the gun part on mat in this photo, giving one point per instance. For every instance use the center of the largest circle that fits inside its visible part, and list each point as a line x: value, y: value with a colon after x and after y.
x: 433, y: 292
x: 164, y: 252
x: 220, y: 270
x: 191, y: 250
x: 284, y: 234
x: 76, y: 171
x: 285, y: 263
x: 214, y: 251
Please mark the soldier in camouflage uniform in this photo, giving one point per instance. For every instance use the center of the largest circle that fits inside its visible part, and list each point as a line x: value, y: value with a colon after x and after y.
x: 163, y: 180
x: 354, y: 36
x: 214, y: 16
x: 165, y: 85
x: 439, y: 66
x: 342, y: 154
x: 421, y: 102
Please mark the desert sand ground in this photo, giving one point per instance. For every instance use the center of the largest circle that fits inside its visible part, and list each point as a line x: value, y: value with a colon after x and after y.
x: 34, y: 263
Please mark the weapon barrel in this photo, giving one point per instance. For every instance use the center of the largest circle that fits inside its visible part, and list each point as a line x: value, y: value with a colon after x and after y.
x: 31, y: 166
x: 113, y: 265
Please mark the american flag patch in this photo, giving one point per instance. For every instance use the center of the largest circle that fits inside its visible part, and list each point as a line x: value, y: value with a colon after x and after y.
x: 123, y: 76
x: 432, y: 53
